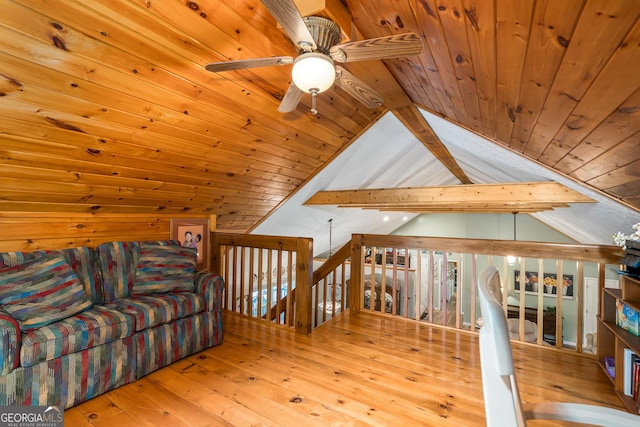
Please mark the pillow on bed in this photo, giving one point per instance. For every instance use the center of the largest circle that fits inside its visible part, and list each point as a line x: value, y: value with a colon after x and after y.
x: 165, y: 269
x: 42, y: 291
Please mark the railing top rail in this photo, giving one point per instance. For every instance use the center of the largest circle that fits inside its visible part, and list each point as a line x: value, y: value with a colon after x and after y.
x: 332, y: 263
x: 260, y: 241
x: 575, y: 252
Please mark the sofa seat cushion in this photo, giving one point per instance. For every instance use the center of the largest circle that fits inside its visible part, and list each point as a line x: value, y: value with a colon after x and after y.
x: 164, y: 269
x: 42, y: 291
x: 90, y: 328
x: 158, y: 309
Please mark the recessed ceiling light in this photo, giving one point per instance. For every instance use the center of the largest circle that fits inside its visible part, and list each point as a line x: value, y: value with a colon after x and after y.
x: 385, y: 219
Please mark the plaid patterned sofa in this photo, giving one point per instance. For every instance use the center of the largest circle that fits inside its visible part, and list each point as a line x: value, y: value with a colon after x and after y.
x: 78, y: 322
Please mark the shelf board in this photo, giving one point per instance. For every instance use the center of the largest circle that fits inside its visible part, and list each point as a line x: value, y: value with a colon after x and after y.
x: 616, y: 293
x: 629, y: 340
x: 631, y: 291
x: 628, y: 402
x: 604, y: 368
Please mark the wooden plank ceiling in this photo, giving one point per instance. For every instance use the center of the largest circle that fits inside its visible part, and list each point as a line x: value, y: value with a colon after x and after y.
x: 106, y: 106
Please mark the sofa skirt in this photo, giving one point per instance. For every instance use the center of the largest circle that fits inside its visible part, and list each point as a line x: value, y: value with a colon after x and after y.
x: 162, y: 345
x: 73, y: 378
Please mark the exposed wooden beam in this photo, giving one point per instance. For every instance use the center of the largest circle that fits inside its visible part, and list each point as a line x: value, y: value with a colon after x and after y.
x: 411, y: 117
x: 464, y: 207
x: 513, y: 197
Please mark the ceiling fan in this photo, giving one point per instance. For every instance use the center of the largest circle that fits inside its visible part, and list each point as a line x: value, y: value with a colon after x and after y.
x: 318, y: 42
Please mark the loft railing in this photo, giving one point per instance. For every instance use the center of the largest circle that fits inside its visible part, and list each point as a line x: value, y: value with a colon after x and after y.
x: 272, y: 279
x: 331, y: 286
x: 420, y: 278
x: 434, y: 280
x: 266, y: 277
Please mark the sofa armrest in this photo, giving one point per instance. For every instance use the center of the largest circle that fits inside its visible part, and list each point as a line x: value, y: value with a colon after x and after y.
x: 10, y: 339
x: 211, y: 285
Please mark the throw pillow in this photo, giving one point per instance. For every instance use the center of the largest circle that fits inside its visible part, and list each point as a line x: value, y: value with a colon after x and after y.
x: 42, y: 291
x: 165, y: 269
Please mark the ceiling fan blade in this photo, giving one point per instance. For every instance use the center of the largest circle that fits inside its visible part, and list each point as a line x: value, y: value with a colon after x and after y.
x: 287, y: 14
x: 357, y: 88
x: 248, y: 63
x: 290, y: 99
x: 379, y: 48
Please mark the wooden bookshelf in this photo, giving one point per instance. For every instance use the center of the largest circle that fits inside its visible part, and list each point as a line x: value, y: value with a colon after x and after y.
x: 612, y: 340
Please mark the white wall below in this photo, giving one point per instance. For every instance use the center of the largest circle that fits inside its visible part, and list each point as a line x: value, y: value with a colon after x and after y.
x: 482, y: 226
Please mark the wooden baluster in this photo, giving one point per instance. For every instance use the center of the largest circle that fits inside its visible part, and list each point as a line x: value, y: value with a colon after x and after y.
x: 540, y: 300
x: 278, y: 302
x: 252, y: 283
x: 418, y: 284
x: 578, y: 290
x: 261, y: 282
x: 559, y: 278
x: 241, y: 294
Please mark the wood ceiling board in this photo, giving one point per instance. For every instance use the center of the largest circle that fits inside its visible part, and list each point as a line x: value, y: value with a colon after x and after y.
x: 617, y: 177
x: 435, y: 38
x: 127, y: 43
x: 630, y: 187
x: 620, y: 125
x: 481, y: 33
x: 223, y: 144
x: 452, y: 17
x: 241, y: 121
x: 51, y: 157
x: 617, y: 158
x: 90, y: 178
x: 605, y: 25
x: 173, y: 152
x: 618, y: 81
x: 550, y: 37
x: 414, y: 82
x: 397, y: 18
x: 512, y: 35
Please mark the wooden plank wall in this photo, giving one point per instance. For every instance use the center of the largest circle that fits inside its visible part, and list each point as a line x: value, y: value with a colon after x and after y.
x: 26, y: 231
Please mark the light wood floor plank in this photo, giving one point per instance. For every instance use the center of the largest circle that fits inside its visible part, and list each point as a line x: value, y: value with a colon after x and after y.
x: 359, y: 369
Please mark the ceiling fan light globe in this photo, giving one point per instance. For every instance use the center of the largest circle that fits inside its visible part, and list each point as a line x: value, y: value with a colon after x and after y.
x: 313, y: 72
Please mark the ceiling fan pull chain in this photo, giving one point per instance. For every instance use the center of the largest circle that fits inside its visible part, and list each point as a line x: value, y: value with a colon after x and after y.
x: 314, y: 93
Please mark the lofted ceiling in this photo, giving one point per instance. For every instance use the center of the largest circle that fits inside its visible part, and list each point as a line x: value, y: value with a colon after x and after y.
x: 107, y: 107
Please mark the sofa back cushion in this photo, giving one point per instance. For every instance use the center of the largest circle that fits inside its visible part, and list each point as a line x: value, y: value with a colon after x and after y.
x: 84, y: 262
x: 165, y: 268
x: 117, y: 261
x: 81, y: 259
x: 42, y: 291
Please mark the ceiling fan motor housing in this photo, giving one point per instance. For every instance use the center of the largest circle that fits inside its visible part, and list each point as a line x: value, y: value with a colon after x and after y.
x: 325, y: 32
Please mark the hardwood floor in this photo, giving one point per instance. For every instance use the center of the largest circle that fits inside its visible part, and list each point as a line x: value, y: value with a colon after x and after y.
x: 359, y: 369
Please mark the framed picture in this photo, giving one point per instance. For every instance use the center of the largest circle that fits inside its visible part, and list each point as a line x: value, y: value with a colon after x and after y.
x: 389, y: 252
x: 193, y: 233
x: 549, y: 283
